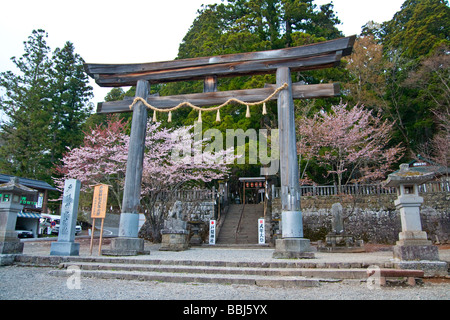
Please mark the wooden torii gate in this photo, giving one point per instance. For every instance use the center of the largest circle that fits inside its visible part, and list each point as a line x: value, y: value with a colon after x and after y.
x: 282, y: 62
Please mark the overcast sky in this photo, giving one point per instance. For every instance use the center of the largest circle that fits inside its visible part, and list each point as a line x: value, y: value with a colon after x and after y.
x: 133, y: 31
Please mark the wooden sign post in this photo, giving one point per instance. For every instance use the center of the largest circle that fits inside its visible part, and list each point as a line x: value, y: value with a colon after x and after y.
x: 99, y: 211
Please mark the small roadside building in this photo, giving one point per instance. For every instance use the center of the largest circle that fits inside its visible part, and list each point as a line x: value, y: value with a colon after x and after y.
x: 28, y: 218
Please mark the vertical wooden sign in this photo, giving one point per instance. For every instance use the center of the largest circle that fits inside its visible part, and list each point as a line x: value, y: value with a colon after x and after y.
x: 99, y: 211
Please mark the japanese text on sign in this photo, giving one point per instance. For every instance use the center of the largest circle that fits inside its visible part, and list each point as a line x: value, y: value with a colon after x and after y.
x: 99, y: 201
x: 212, y: 232
x: 261, y: 232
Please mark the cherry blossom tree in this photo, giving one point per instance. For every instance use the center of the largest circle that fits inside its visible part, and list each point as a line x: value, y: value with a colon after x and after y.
x: 352, y: 144
x: 166, y: 172
x: 103, y: 158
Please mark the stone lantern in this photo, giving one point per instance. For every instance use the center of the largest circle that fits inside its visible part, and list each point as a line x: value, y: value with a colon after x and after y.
x: 413, y: 244
x: 11, y: 195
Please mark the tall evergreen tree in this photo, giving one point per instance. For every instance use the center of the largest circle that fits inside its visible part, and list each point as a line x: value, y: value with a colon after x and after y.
x: 26, y: 104
x: 70, y: 100
x: 45, y: 104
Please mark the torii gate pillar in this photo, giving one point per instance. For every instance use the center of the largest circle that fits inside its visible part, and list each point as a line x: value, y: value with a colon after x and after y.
x: 128, y: 242
x: 292, y: 244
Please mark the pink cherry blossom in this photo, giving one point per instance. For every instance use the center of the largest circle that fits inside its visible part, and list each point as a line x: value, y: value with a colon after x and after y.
x: 352, y: 144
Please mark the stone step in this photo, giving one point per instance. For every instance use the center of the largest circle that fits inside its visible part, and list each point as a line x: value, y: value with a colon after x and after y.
x: 248, y: 232
x: 253, y: 273
x: 271, y: 281
x: 290, y: 272
x: 147, y: 260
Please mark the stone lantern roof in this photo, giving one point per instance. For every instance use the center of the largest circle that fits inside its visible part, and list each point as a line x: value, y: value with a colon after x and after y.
x: 15, y: 187
x: 408, y: 175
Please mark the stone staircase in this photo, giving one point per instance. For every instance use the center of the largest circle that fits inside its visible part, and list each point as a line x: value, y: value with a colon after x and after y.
x: 271, y: 274
x: 237, y: 230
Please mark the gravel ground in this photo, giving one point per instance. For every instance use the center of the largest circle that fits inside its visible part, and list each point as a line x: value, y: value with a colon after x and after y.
x: 33, y: 283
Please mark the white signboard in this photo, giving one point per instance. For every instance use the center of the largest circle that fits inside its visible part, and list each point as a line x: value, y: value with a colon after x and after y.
x: 212, y: 232
x: 261, y: 232
x: 40, y: 200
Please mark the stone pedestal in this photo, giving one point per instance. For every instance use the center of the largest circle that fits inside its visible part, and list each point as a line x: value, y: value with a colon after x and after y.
x: 414, y: 245
x: 174, y: 241
x: 293, y: 248
x: 341, y: 243
x: 128, y: 243
x: 62, y: 248
x: 292, y: 245
x: 124, y: 246
x: 175, y: 237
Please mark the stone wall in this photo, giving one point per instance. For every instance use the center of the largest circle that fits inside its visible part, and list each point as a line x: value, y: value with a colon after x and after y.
x: 372, y: 218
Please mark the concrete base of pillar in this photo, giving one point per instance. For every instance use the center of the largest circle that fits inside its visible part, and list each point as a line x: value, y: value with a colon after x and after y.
x: 293, y: 248
x: 62, y: 248
x: 125, y: 247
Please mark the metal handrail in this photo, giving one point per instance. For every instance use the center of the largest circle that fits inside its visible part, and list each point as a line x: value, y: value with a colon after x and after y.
x: 239, y: 223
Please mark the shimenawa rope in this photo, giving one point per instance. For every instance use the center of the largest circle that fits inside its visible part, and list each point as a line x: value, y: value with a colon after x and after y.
x: 199, y: 109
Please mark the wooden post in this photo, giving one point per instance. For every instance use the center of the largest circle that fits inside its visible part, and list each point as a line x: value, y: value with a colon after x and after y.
x: 132, y: 191
x: 292, y: 244
x: 210, y: 84
x: 101, y: 239
x: 92, y: 235
x: 290, y: 188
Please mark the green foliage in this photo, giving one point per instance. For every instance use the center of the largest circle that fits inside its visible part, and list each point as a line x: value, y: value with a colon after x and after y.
x: 45, y: 103
x: 70, y: 94
x: 418, y: 28
x: 239, y: 26
x: 401, y: 68
x: 415, y: 33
